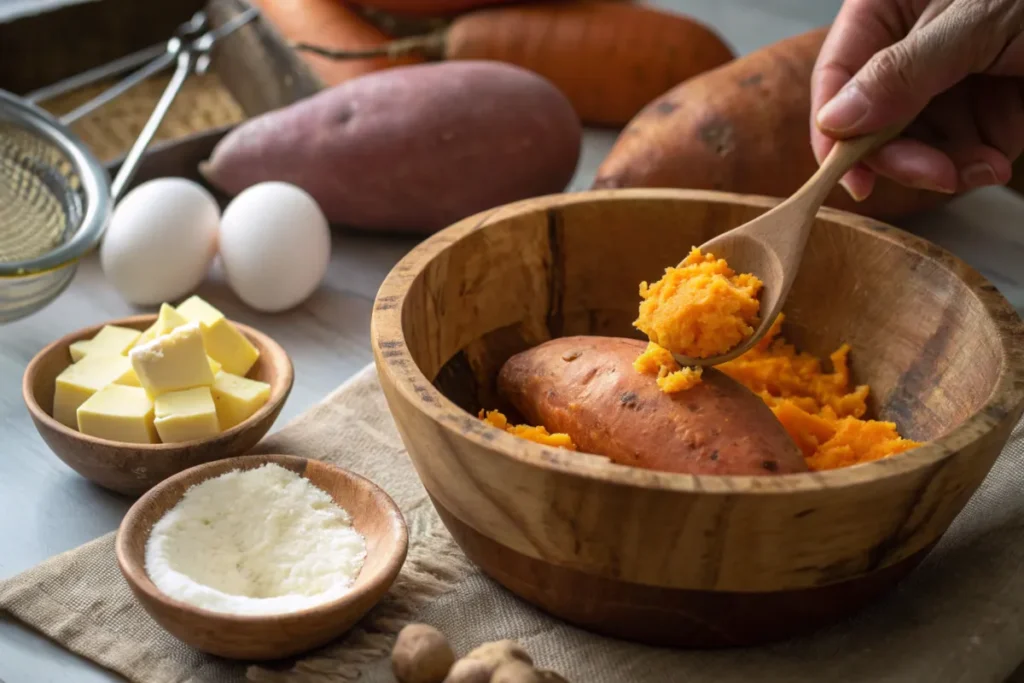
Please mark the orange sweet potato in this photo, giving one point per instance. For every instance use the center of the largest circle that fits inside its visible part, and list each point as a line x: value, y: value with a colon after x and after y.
x: 609, y: 58
x: 329, y: 21
x: 586, y: 387
x: 743, y: 127
x: 427, y: 7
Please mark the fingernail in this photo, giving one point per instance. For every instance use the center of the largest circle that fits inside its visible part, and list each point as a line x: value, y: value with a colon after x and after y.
x: 844, y: 111
x: 933, y: 187
x: 979, y: 175
x: 849, y: 190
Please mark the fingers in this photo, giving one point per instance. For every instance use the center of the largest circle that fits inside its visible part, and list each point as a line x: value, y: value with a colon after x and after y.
x: 896, y: 84
x: 998, y: 114
x: 915, y: 164
x: 862, y: 28
x: 946, y: 168
x: 980, y: 166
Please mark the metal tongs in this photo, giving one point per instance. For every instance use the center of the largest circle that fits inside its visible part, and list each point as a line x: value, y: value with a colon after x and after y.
x: 189, y: 48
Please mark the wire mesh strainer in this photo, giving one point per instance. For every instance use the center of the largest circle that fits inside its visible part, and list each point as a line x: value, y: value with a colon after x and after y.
x: 55, y: 197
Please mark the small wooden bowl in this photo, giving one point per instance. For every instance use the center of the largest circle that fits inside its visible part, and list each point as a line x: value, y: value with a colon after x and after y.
x: 374, y: 515
x: 674, y: 559
x: 131, y: 468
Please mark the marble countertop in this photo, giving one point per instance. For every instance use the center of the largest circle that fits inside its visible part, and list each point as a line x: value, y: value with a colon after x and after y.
x: 48, y: 509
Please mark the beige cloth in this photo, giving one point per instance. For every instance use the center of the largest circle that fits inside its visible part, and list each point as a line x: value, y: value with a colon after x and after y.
x: 959, y: 617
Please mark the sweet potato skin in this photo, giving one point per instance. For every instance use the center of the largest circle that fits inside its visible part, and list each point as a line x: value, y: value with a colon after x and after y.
x: 609, y: 58
x: 587, y: 388
x: 743, y: 127
x: 411, y: 149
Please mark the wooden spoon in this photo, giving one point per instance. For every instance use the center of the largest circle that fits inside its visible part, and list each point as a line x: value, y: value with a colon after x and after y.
x: 772, y: 245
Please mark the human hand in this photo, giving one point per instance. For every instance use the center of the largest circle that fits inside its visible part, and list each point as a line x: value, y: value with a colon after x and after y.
x: 949, y: 67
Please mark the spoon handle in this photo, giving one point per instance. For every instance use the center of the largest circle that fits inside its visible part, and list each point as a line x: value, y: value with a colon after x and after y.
x: 844, y: 155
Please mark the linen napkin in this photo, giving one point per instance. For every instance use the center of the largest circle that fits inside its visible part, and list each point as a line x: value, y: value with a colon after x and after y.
x: 959, y: 617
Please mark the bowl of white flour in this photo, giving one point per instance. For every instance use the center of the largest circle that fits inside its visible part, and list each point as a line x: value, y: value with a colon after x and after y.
x: 261, y: 557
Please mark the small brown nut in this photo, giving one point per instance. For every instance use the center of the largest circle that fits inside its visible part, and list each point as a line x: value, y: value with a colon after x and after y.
x: 500, y: 651
x: 515, y: 671
x: 421, y: 655
x: 470, y: 671
x: 551, y: 677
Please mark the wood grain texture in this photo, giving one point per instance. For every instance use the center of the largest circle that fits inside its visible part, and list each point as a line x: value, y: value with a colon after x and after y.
x: 941, y: 348
x: 374, y: 515
x: 672, y: 618
x: 132, y: 469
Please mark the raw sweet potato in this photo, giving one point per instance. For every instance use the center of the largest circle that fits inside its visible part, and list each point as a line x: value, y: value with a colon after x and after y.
x: 609, y: 58
x: 329, y: 21
x: 427, y: 7
x: 411, y: 149
x: 743, y: 127
x: 586, y: 387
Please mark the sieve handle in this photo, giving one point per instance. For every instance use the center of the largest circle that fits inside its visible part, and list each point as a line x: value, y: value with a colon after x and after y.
x: 155, y: 66
x: 118, y: 66
x: 186, y: 63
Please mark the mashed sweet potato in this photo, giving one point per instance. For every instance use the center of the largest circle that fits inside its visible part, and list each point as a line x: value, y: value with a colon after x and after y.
x: 671, y: 378
x: 537, y: 434
x: 700, y: 308
x: 821, y: 411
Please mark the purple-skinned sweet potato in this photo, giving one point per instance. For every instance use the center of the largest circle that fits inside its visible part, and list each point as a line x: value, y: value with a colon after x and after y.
x: 412, y: 148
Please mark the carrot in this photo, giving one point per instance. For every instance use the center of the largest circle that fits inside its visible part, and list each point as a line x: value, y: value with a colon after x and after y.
x: 427, y: 7
x: 742, y: 128
x: 609, y: 58
x: 329, y: 21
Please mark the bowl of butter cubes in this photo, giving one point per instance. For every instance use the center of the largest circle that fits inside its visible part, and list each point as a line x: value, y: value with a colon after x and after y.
x: 131, y: 402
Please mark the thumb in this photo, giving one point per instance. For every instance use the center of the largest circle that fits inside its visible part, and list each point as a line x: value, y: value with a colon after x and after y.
x: 897, y: 83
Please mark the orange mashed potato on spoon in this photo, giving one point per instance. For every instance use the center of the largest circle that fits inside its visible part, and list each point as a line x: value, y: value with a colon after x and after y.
x: 701, y: 308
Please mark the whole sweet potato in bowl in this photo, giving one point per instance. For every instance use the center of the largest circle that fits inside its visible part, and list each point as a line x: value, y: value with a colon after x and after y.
x: 411, y: 148
x: 586, y: 387
x: 683, y: 559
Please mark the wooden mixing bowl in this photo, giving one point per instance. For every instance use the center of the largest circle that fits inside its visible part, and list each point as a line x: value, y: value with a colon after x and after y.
x: 677, y: 559
x: 132, y: 468
x: 374, y: 515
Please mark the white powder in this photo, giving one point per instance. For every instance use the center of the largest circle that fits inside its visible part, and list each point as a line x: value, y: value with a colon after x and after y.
x: 259, y: 541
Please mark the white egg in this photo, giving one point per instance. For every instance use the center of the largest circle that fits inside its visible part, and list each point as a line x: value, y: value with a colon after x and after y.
x: 275, y: 245
x: 161, y: 240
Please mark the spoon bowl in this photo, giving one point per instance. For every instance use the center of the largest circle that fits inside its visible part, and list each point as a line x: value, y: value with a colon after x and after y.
x: 772, y: 245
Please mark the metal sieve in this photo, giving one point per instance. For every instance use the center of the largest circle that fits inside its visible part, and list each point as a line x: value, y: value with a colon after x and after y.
x: 55, y: 197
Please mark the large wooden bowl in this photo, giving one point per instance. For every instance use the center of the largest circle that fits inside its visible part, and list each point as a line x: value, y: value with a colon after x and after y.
x: 374, y: 515
x: 678, y: 559
x: 132, y: 468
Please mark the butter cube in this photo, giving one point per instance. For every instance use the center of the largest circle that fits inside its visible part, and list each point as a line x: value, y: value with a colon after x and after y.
x: 81, y: 380
x: 224, y: 342
x: 132, y: 379
x: 119, y: 413
x: 237, y: 398
x: 111, y: 339
x: 173, y: 361
x: 167, y: 320
x: 78, y: 350
x: 186, y: 415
